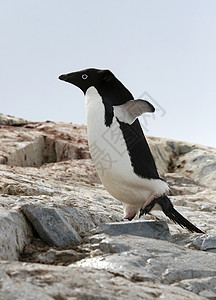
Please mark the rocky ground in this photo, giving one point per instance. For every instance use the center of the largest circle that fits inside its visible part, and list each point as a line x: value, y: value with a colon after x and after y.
x: 62, y: 236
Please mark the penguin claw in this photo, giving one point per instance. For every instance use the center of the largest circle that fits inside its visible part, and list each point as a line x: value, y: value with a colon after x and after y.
x: 142, y: 211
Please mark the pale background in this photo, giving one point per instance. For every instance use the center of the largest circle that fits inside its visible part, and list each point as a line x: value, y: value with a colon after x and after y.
x: 165, y: 48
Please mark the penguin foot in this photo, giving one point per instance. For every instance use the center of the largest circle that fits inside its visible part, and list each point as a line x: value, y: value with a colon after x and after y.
x: 150, y: 203
x: 130, y: 216
x: 147, y: 208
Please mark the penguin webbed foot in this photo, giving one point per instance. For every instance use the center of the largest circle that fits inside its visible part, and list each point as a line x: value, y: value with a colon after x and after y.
x: 170, y: 212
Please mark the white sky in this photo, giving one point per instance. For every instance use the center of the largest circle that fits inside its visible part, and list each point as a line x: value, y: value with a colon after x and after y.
x: 165, y: 48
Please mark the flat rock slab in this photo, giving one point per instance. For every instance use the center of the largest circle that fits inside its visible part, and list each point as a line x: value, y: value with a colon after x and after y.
x: 51, y: 226
x: 149, y: 229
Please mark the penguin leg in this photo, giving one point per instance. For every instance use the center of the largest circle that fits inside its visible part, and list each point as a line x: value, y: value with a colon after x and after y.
x: 131, y: 215
x: 170, y: 212
x: 146, y: 210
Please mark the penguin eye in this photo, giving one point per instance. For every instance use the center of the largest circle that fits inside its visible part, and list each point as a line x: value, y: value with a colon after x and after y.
x: 84, y: 76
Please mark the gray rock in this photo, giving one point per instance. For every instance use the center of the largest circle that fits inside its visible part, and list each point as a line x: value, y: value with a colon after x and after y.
x: 150, y: 229
x: 79, y: 218
x: 205, y: 243
x: 205, y: 287
x: 179, y: 148
x: 185, y: 148
x: 37, y: 281
x: 146, y: 259
x: 15, y: 234
x: 51, y: 225
x: 208, y: 294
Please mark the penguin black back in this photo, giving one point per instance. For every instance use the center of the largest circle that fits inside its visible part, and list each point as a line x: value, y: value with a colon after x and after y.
x: 140, y: 155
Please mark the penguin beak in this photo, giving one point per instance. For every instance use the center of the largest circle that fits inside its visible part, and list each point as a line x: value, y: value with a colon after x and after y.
x: 73, y: 78
x: 62, y: 77
x: 65, y: 77
x: 70, y: 78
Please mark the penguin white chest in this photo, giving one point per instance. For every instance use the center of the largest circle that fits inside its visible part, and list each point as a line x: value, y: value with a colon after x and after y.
x: 110, y: 155
x: 107, y: 145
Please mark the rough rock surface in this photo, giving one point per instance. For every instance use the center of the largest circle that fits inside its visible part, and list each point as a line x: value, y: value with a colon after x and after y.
x: 51, y: 225
x: 15, y: 234
x: 46, y: 167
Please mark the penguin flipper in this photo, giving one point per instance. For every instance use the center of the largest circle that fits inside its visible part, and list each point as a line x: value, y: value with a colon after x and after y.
x: 132, y: 109
x: 170, y: 212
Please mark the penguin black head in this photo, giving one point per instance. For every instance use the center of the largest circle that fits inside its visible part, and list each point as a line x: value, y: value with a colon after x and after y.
x: 87, y: 78
x: 112, y: 91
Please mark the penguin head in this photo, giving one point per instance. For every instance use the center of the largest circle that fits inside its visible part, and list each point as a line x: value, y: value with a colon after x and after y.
x: 87, y: 78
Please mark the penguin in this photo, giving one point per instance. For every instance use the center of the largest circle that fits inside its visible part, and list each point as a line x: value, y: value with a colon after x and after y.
x: 118, y: 146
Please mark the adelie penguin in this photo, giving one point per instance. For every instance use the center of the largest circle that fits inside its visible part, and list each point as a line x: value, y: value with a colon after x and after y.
x: 118, y: 146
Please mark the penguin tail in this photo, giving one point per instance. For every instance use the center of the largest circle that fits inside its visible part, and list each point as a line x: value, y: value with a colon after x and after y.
x: 171, y: 213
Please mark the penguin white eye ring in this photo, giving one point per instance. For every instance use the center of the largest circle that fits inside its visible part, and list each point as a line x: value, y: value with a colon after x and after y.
x: 84, y: 76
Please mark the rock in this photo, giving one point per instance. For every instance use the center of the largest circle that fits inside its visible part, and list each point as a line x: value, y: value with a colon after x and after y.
x: 46, y: 169
x: 205, y: 243
x: 161, y: 155
x: 54, y: 256
x: 51, y: 226
x: 35, y: 144
x: 199, y: 164
x: 15, y: 234
x: 142, y: 259
x: 205, y: 287
x: 80, y: 219
x: 39, y: 252
x: 66, y: 151
x: 179, y: 148
x: 207, y: 207
x: 182, y: 185
x: 151, y: 229
x: 12, y: 121
x: 58, y: 282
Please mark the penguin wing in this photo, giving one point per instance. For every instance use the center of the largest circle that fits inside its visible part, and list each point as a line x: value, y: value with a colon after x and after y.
x: 132, y: 109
